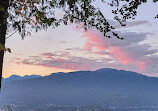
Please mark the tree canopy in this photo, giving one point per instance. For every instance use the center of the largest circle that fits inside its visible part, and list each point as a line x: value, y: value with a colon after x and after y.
x: 25, y: 15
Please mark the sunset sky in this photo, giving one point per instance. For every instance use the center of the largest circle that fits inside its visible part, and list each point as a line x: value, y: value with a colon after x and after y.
x: 70, y: 48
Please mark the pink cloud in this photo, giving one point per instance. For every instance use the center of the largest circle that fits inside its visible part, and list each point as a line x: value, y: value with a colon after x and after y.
x: 60, y: 59
x: 34, y: 19
x: 64, y: 64
x: 89, y: 46
x: 59, y: 63
x: 16, y: 58
x: 142, y: 66
x: 49, y: 57
x: 120, y: 54
x: 94, y: 41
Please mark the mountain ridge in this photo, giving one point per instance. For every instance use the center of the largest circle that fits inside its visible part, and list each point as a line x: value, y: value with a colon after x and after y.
x: 82, y: 87
x: 17, y: 77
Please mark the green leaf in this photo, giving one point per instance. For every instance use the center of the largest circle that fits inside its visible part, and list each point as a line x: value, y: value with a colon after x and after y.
x: 2, y: 47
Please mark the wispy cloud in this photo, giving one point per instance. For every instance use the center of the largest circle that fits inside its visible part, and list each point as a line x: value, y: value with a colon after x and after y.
x: 129, y: 24
x: 126, y: 52
x: 129, y: 54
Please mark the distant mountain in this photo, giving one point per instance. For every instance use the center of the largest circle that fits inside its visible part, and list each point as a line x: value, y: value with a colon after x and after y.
x: 104, y: 86
x: 16, y: 77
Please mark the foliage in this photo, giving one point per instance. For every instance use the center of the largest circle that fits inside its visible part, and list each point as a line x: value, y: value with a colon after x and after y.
x: 26, y: 15
x: 2, y: 47
x: 127, y: 9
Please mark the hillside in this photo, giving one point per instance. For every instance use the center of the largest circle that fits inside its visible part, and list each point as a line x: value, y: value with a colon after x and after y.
x: 104, y: 86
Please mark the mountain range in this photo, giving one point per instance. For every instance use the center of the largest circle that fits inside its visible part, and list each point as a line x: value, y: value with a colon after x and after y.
x: 17, y: 77
x: 111, y: 87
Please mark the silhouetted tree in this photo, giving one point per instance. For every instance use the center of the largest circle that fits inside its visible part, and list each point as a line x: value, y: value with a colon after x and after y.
x: 25, y: 15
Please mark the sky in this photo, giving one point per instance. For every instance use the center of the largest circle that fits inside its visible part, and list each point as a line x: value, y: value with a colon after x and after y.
x: 70, y: 48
